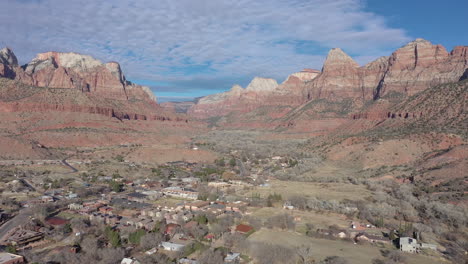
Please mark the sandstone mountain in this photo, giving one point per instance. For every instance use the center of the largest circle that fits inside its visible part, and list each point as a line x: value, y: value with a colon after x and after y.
x: 259, y: 92
x: 343, y: 88
x: 82, y: 84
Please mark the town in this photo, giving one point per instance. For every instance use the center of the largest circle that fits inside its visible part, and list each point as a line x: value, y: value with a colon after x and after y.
x: 180, y: 212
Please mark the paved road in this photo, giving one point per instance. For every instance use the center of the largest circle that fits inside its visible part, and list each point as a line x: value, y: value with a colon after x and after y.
x: 20, y: 219
x: 27, y: 183
x: 64, y: 161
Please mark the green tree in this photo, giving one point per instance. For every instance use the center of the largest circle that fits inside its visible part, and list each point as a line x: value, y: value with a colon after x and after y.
x: 11, y: 249
x: 119, y: 158
x: 135, y: 237
x: 232, y: 162
x: 201, y: 219
x: 116, y: 186
x: 220, y: 162
x: 67, y: 229
x: 113, y: 236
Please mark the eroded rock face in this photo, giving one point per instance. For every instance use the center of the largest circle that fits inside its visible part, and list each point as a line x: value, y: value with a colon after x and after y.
x: 339, y: 78
x: 259, y: 92
x: 86, y: 76
x: 73, y: 71
x: 419, y: 65
x: 259, y: 84
x: 409, y: 70
x: 8, y: 57
x: 8, y: 62
x: 83, y: 72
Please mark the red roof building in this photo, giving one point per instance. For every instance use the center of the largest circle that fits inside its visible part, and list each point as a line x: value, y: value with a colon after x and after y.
x: 243, y: 229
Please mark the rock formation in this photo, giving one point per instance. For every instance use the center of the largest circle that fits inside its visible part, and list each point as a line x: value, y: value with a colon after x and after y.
x: 259, y: 92
x: 8, y: 62
x: 104, y: 84
x: 409, y: 70
x: 73, y: 71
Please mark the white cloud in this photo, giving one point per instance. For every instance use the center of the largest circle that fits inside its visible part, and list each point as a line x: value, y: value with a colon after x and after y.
x: 154, y: 39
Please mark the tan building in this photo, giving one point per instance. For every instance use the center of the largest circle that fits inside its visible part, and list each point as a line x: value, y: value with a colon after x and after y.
x: 8, y: 258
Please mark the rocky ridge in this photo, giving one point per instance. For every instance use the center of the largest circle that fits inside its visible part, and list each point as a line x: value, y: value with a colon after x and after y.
x: 409, y: 70
x: 259, y: 92
x: 103, y: 83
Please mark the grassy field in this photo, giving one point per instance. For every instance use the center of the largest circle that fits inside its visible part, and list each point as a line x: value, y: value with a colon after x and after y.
x: 355, y: 254
x: 324, y: 191
x: 319, y: 220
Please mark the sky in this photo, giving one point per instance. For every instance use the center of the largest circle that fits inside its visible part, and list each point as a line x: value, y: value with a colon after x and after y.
x: 189, y: 48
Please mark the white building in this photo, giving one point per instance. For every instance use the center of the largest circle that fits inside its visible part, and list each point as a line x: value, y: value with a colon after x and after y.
x: 169, y: 246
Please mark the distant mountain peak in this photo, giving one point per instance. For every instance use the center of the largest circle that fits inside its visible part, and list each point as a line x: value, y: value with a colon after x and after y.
x: 8, y: 57
x: 262, y: 84
x: 337, y: 57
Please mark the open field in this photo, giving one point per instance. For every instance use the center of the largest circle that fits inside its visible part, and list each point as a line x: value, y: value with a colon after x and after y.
x: 319, y: 220
x: 325, y: 191
x: 355, y: 254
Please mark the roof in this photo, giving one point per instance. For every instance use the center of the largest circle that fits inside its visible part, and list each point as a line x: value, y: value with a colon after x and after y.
x: 129, y: 261
x: 407, y: 240
x: 243, y: 228
x: 172, y: 245
x: 56, y: 221
x: 232, y: 256
x: 137, y: 195
x: 5, y: 257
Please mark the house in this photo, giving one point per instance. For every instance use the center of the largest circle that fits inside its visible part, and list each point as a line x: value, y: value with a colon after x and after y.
x: 196, y: 206
x: 191, y: 180
x: 8, y: 258
x: 151, y: 251
x: 75, y: 207
x: 129, y: 261
x: 243, y: 229
x: 20, y: 237
x: 219, y: 185
x: 152, y: 194
x: 187, y: 261
x: 180, y: 192
x: 171, y: 229
x: 90, y: 207
x: 408, y: 244
x: 232, y: 258
x: 287, y: 205
x: 72, y: 196
x: 169, y: 246
x: 106, y: 210
x: 137, y: 197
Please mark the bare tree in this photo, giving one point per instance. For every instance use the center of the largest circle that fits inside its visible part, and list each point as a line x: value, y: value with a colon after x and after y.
x: 211, y: 256
x: 305, y: 254
x: 151, y: 240
x: 111, y: 255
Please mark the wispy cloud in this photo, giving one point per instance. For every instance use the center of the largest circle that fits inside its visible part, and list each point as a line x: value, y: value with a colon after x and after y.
x: 183, y: 41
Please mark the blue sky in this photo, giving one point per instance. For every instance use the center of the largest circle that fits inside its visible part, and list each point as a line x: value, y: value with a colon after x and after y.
x: 189, y: 48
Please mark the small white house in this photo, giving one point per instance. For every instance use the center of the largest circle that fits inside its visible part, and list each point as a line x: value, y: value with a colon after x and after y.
x: 169, y: 246
x: 232, y: 258
x: 129, y: 261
